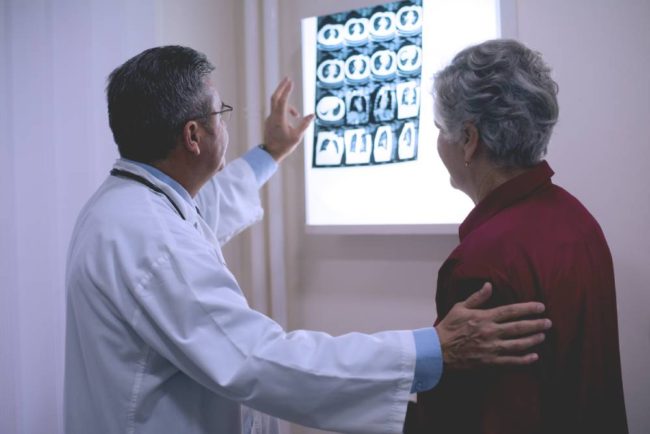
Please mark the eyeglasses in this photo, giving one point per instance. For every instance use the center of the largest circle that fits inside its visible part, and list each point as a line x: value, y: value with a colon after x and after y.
x: 224, y: 112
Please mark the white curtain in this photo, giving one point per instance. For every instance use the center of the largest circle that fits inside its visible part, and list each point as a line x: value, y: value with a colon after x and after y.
x: 55, y: 149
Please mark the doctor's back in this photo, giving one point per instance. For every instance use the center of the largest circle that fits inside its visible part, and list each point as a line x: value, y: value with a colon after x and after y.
x: 112, y: 372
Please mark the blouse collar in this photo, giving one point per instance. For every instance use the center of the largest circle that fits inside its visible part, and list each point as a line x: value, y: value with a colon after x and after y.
x: 505, y: 195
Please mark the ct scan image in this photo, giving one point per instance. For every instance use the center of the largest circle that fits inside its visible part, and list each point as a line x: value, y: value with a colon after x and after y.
x: 368, y: 75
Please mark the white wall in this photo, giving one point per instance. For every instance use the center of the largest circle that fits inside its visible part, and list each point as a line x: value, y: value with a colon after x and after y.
x: 600, y: 151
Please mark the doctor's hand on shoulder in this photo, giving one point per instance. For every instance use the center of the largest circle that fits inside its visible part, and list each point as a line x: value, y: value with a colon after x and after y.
x: 471, y: 336
x: 284, y: 127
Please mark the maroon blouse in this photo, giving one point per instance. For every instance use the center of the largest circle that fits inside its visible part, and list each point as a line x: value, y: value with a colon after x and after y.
x: 534, y: 241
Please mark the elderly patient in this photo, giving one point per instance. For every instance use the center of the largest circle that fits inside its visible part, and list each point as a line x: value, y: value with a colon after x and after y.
x: 495, y: 107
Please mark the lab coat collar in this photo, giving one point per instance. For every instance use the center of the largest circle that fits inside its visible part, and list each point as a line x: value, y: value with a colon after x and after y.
x: 187, y: 207
x: 166, y: 179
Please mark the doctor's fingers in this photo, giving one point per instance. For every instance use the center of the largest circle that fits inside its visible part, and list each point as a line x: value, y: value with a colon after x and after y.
x: 278, y: 91
x: 512, y: 312
x: 514, y: 360
x: 479, y: 297
x: 513, y: 347
x: 298, y: 128
x: 509, y: 352
x: 303, y: 125
x: 303, y: 122
x: 281, y: 95
x: 522, y: 328
x: 294, y: 134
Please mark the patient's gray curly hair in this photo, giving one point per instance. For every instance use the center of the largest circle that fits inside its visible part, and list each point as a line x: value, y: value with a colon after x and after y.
x: 506, y: 90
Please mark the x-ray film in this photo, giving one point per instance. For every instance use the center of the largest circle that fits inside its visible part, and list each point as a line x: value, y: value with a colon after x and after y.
x: 367, y: 85
x: 371, y: 158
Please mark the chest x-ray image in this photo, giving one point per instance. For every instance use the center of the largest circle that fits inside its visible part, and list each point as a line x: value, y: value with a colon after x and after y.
x: 409, y: 59
x: 383, y: 65
x: 368, y: 65
x: 331, y: 73
x: 383, y: 146
x: 409, y: 19
x: 330, y: 110
x: 384, y: 104
x: 358, y: 146
x: 408, y: 99
x: 330, y: 37
x: 357, y: 109
x: 357, y: 69
x: 329, y: 149
x: 357, y: 31
x: 406, y: 142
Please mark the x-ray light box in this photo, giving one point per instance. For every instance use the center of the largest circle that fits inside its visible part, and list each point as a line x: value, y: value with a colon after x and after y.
x: 371, y: 164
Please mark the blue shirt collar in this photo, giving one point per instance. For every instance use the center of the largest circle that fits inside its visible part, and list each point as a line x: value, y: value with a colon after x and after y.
x: 166, y: 179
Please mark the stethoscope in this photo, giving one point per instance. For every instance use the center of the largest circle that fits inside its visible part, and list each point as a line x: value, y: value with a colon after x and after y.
x: 137, y: 178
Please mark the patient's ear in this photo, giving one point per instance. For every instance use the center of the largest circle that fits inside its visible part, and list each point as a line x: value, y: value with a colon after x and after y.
x: 470, y: 141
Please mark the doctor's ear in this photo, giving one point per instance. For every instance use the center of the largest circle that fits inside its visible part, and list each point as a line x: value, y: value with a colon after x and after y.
x: 190, y: 137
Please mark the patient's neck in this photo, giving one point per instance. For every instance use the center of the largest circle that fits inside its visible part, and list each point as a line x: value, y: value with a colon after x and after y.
x: 489, y: 177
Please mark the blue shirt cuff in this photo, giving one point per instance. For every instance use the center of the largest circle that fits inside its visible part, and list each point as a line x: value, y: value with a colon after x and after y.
x: 263, y: 165
x: 428, y: 362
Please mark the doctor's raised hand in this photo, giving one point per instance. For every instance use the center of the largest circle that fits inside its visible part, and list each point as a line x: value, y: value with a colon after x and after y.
x: 284, y: 127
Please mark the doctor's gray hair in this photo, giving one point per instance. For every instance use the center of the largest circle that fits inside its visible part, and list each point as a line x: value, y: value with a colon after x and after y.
x: 151, y: 97
x: 506, y: 91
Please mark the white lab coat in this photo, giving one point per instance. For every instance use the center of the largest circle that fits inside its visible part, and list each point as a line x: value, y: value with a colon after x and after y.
x: 160, y: 338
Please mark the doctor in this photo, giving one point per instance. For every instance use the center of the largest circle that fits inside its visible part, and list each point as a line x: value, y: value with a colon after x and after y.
x: 160, y: 338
